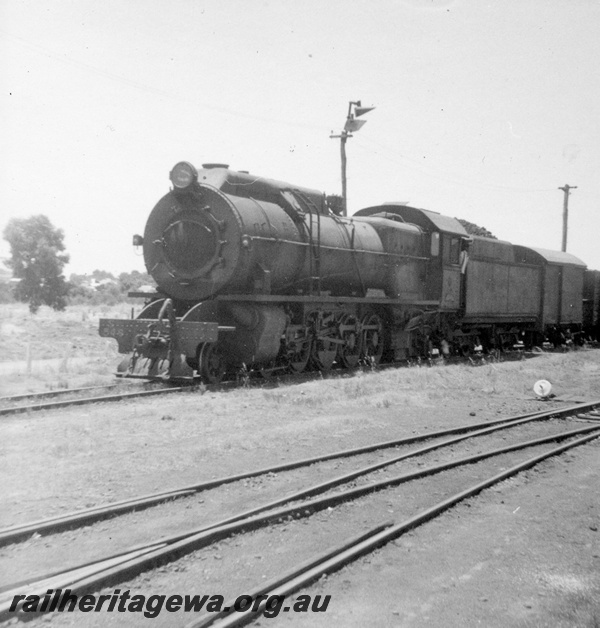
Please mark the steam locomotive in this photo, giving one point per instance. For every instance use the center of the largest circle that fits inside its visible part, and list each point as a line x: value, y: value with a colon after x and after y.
x: 260, y: 275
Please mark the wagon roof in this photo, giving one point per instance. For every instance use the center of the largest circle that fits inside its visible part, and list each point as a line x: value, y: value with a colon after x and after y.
x: 556, y: 257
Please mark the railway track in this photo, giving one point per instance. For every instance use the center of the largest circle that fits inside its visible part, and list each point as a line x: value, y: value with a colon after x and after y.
x: 77, y: 397
x: 90, y: 515
x: 333, y: 559
x: 57, y: 399
x: 303, y: 503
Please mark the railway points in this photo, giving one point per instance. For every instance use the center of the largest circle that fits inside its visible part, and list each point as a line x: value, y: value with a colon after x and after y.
x: 156, y: 552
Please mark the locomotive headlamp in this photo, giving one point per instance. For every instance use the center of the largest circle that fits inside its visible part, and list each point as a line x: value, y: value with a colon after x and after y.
x: 183, y: 175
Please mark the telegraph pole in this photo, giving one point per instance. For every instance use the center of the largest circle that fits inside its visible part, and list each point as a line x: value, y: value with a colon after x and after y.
x: 566, y: 189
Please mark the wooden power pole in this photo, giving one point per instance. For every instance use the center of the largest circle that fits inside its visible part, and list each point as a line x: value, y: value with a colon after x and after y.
x: 566, y: 189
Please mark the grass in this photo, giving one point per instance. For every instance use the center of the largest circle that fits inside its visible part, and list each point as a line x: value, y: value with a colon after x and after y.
x: 50, y: 334
x: 430, y: 386
x: 53, y: 350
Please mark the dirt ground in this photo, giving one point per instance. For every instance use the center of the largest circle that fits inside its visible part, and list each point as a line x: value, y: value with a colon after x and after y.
x: 524, y: 553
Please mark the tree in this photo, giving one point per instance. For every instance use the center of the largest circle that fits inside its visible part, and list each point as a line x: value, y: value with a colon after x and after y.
x: 129, y: 282
x: 473, y: 229
x: 37, y: 259
x: 99, y: 275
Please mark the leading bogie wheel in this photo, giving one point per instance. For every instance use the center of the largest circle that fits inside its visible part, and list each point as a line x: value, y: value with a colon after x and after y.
x: 211, y: 364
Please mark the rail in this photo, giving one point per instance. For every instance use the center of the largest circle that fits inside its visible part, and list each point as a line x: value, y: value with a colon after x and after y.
x: 93, y: 575
x: 80, y: 401
x: 84, y: 517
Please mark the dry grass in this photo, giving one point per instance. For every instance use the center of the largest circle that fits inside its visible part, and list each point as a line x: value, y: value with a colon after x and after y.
x: 428, y: 386
x: 360, y: 408
x: 53, y: 350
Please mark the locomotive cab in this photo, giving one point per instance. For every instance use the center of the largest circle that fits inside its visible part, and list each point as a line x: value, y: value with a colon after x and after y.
x: 445, y: 240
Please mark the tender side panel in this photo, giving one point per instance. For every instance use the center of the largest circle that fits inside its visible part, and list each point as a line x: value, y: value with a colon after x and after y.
x: 495, y: 289
x: 487, y: 288
x: 524, y: 290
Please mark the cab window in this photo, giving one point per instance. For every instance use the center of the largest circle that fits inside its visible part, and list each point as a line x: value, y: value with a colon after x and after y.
x: 435, y: 244
x: 451, y: 251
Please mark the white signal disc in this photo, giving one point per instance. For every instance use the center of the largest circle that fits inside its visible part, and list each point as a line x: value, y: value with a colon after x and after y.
x: 542, y: 388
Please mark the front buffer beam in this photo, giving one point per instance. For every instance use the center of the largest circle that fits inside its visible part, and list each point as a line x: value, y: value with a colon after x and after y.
x: 159, y: 348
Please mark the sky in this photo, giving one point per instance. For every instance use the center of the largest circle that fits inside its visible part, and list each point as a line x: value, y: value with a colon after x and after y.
x: 482, y: 110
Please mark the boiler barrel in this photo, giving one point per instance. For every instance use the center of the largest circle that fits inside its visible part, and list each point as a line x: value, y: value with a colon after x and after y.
x: 206, y: 243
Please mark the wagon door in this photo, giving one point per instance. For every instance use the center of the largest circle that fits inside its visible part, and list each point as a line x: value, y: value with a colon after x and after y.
x: 552, y: 290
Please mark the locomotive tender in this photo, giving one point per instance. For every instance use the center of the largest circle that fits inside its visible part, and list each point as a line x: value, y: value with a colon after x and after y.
x: 256, y: 274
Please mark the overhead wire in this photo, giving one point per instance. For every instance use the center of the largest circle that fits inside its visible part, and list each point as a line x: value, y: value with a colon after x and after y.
x: 150, y: 89
x: 431, y: 171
